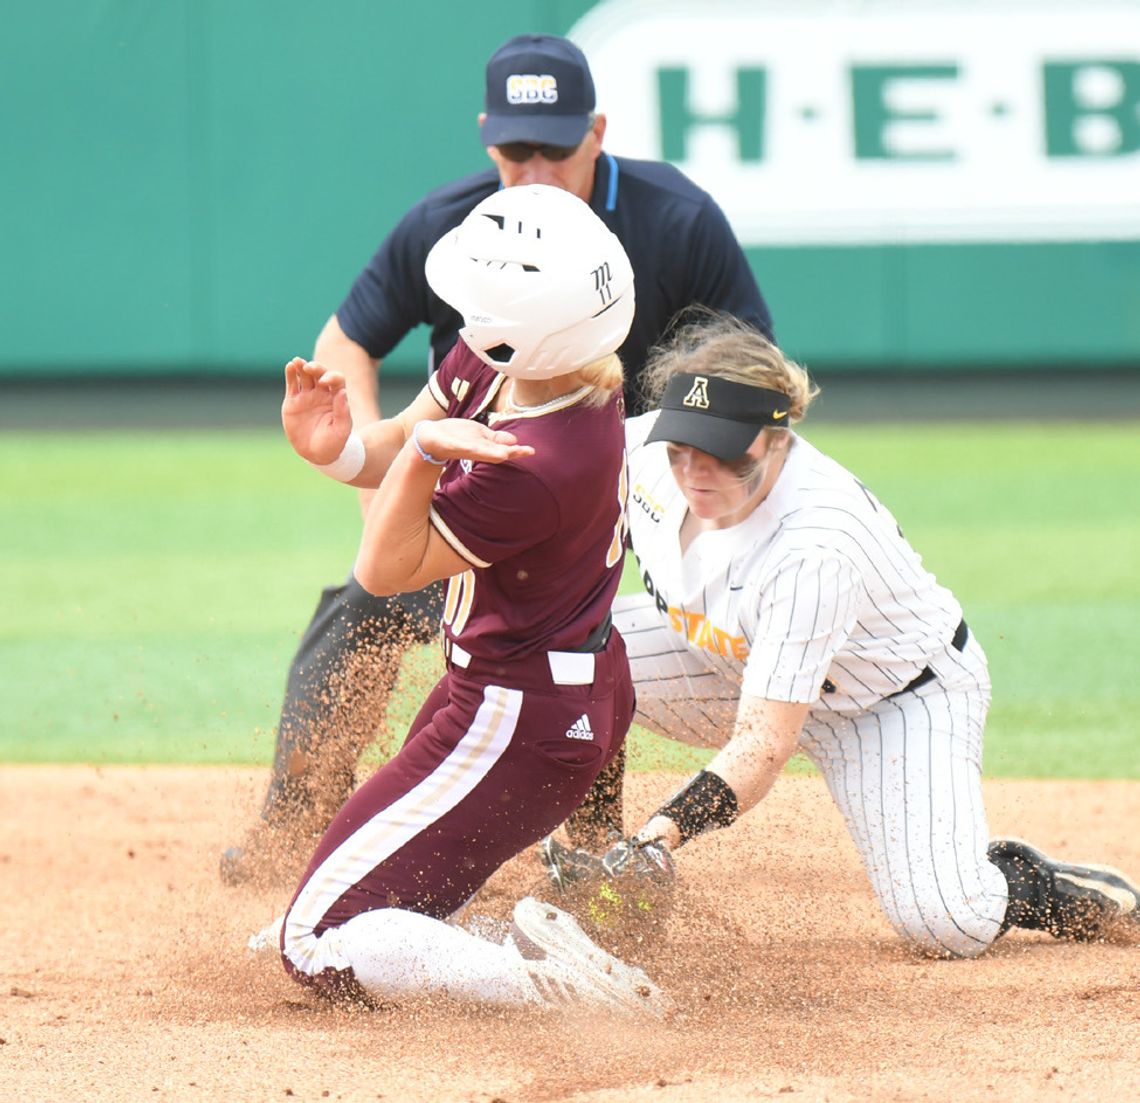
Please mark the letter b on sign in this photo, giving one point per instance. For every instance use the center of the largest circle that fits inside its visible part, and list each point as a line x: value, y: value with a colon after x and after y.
x: 1092, y: 108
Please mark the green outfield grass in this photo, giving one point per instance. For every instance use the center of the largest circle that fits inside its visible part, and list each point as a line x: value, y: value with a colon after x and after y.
x: 153, y: 586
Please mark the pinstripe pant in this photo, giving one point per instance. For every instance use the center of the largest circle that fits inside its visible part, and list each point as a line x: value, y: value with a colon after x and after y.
x: 905, y: 774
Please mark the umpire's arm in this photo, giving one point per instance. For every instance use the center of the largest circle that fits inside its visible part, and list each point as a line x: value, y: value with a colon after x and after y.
x: 336, y: 350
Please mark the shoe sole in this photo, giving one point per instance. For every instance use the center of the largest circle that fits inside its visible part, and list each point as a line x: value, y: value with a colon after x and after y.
x: 564, y: 866
x: 557, y: 935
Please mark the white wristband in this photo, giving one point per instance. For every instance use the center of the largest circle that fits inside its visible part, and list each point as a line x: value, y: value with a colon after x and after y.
x: 348, y: 464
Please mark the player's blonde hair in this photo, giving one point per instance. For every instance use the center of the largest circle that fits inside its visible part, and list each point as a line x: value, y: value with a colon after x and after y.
x: 721, y: 345
x: 605, y: 375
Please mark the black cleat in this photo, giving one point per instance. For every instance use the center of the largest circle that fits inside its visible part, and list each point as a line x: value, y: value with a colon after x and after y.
x: 1080, y: 903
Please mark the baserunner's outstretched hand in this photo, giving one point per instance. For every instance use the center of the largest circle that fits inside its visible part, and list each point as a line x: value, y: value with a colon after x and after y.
x: 315, y: 411
x: 458, y: 438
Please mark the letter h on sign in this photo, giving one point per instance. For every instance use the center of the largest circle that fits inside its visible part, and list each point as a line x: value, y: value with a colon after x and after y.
x: 678, y: 118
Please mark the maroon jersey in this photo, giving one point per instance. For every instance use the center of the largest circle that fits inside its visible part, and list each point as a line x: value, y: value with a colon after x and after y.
x: 545, y: 534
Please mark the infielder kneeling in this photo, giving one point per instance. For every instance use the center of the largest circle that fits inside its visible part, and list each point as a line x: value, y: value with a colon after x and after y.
x: 507, y: 477
x: 785, y: 609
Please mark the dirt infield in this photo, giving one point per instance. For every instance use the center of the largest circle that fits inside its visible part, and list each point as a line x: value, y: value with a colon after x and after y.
x: 125, y: 976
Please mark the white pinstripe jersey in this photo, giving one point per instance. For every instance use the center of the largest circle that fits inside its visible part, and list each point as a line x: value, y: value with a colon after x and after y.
x: 815, y: 588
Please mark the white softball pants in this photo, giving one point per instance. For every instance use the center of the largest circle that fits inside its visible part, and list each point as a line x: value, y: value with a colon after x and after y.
x: 906, y: 775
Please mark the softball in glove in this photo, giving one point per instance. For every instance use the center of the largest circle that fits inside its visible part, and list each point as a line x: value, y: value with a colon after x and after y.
x: 631, y: 883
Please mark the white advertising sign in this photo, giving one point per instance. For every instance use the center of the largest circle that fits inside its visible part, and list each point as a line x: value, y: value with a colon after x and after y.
x: 882, y: 121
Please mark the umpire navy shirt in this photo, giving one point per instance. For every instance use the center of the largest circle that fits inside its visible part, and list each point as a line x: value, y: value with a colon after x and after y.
x: 678, y: 240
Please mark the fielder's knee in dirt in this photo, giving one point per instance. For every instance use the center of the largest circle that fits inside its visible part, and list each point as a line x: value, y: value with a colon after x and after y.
x: 965, y: 933
x: 946, y: 919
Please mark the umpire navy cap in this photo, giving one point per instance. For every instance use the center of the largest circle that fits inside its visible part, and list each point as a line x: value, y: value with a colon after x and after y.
x: 539, y: 89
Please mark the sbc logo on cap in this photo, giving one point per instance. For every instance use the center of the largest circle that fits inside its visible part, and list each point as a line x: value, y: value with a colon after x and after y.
x: 531, y: 88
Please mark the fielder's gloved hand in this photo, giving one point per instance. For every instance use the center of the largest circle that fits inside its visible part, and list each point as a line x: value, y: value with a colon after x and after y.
x: 567, y: 867
x: 633, y: 880
x: 638, y: 885
x: 647, y: 859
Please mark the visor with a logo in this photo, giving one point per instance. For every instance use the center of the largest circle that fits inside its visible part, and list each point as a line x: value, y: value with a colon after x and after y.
x: 718, y: 416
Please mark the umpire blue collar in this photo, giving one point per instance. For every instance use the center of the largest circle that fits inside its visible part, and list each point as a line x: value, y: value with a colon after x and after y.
x: 605, y: 193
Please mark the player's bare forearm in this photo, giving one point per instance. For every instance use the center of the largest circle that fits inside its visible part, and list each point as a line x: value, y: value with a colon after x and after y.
x: 401, y: 550
x: 765, y: 737
x: 397, y: 532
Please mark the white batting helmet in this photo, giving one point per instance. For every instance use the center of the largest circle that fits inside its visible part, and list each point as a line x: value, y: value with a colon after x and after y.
x: 543, y: 286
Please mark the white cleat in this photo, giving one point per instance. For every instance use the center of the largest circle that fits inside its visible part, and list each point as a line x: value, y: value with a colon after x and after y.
x: 567, y: 967
x: 267, y: 939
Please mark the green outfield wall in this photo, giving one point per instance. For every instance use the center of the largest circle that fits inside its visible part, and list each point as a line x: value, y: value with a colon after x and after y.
x: 191, y: 185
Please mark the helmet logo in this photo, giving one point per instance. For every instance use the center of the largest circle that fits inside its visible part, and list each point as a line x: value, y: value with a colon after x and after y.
x: 602, y: 279
x: 698, y: 396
